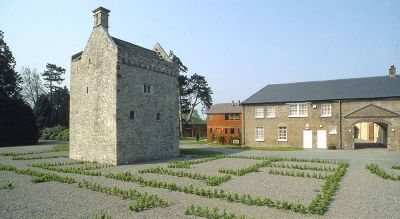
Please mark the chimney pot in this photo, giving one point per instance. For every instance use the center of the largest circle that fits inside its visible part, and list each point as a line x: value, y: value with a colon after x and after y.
x: 392, y: 71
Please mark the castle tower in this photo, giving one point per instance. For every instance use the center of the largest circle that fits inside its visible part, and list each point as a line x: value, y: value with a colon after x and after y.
x: 124, y: 100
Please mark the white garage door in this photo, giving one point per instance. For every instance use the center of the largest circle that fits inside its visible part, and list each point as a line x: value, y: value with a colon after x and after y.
x: 321, y: 139
x: 307, y: 139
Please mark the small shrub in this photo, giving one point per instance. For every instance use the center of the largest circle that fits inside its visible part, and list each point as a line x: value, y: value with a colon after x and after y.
x: 59, y: 133
x: 9, y: 185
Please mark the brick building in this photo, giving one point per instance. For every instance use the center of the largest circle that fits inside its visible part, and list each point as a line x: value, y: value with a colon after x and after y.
x: 319, y: 114
x: 124, y: 100
x: 224, y: 119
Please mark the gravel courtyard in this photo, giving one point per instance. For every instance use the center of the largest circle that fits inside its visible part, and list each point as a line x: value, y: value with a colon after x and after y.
x: 360, y: 193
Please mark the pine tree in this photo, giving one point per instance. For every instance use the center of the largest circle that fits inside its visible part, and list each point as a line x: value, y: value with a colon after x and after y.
x: 53, y: 74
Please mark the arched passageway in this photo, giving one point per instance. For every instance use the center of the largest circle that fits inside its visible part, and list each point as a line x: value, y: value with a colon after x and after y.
x: 370, y: 135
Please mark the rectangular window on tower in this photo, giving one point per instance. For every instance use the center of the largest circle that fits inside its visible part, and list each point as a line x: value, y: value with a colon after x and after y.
x: 132, y: 115
x: 146, y: 88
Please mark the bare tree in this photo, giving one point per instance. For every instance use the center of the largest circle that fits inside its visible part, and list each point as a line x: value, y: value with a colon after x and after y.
x: 32, y: 85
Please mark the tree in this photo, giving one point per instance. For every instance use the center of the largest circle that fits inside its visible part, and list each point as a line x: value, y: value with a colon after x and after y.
x: 192, y: 92
x: 61, y: 106
x: 44, y: 112
x: 53, y: 75
x: 198, y: 93
x: 32, y: 86
x: 9, y: 78
x: 196, y: 119
x: 17, y: 121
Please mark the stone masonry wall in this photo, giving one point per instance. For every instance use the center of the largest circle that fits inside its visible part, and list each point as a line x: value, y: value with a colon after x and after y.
x: 295, y: 125
x: 144, y: 137
x: 393, y: 123
x: 93, y: 100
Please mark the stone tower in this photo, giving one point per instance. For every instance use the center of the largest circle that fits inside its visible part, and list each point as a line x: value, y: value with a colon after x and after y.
x: 124, y: 100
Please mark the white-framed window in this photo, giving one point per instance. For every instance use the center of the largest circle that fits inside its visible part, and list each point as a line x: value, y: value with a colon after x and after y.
x: 298, y: 110
x: 259, y: 112
x: 259, y: 134
x: 270, y: 112
x: 326, y: 110
x: 146, y: 88
x: 332, y: 130
x: 282, y: 133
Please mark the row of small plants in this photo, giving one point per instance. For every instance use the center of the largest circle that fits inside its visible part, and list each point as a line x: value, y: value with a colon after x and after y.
x: 142, y: 202
x: 56, y: 148
x: 39, y: 176
x: 209, y: 180
x: 8, y: 185
x: 207, y: 158
x: 84, y: 170
x: 188, y: 163
x: 319, y: 205
x: 303, y: 167
x: 102, y: 215
x: 40, y: 157
x: 246, y: 170
x: 214, y: 213
x: 297, y: 174
x: 396, y: 167
x: 374, y: 168
x: 208, y: 193
x: 52, y: 164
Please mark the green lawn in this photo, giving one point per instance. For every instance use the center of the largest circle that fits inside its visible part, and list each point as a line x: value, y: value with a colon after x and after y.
x: 201, y: 152
x: 192, y: 140
x: 269, y: 148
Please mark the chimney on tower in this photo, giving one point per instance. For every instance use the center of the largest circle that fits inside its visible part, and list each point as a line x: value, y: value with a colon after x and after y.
x: 100, y: 15
x: 392, y: 71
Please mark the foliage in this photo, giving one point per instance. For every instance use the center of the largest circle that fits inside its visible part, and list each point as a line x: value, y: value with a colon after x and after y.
x: 102, y: 215
x: 195, y: 119
x: 191, y: 151
x: 214, y: 213
x: 59, y: 133
x: 17, y: 123
x: 298, y: 174
x: 319, y: 205
x: 44, y: 112
x: 396, y: 167
x: 61, y: 106
x: 246, y: 170
x: 78, y: 170
x: 61, y: 147
x: 209, y: 180
x: 40, y: 157
x: 53, y: 74
x: 374, y: 168
x: 143, y: 200
x: 188, y: 163
x: 10, y: 80
x: 9, y: 185
x: 303, y: 167
x: 32, y: 86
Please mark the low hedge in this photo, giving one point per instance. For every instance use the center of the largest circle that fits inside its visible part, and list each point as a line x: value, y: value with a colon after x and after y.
x: 59, y: 133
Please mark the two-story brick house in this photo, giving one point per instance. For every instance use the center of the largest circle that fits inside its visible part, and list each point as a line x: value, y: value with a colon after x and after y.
x: 318, y: 114
x: 224, y: 119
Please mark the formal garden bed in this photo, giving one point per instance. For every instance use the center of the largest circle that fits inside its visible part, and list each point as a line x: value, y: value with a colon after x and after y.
x: 287, y: 185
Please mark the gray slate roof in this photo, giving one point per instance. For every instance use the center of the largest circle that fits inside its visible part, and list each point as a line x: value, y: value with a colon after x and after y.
x: 224, y: 108
x: 135, y: 48
x: 342, y: 89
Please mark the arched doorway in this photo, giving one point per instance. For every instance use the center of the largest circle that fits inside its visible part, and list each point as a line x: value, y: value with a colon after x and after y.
x: 370, y: 135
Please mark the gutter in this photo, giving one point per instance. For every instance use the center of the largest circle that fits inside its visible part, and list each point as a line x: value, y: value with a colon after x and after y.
x: 340, y: 124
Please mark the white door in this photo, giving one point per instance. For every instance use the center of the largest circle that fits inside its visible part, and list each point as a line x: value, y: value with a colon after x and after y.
x: 307, y: 139
x: 321, y: 139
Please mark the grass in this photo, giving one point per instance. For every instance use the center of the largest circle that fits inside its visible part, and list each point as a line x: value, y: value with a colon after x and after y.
x: 102, y: 215
x: 243, y: 171
x: 9, y: 185
x: 396, y: 167
x: 200, y: 152
x: 192, y: 140
x: 40, y: 157
x: 62, y: 147
x: 269, y: 148
x: 298, y: 174
x: 84, y: 170
x: 303, y: 167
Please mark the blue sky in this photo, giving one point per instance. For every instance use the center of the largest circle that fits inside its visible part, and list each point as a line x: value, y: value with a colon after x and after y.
x: 240, y: 46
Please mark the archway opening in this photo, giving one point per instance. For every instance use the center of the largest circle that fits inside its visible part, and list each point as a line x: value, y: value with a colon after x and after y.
x: 370, y: 135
